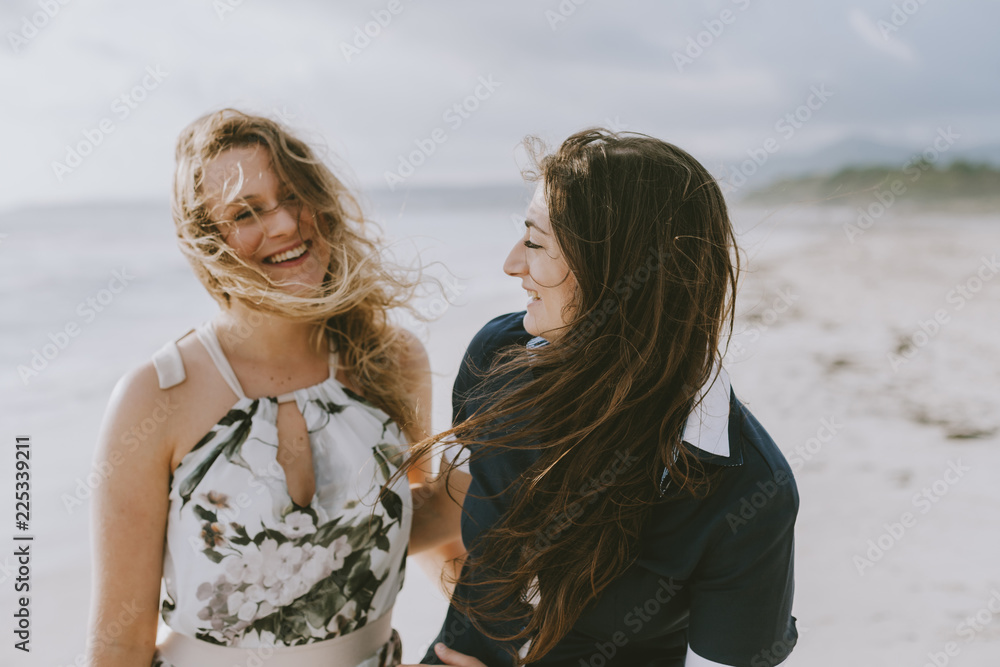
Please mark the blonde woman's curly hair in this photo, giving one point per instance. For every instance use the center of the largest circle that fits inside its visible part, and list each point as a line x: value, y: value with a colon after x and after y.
x: 351, y: 307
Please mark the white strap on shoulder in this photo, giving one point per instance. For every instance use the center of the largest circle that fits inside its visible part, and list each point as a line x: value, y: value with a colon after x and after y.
x: 169, y: 365
x: 206, y: 334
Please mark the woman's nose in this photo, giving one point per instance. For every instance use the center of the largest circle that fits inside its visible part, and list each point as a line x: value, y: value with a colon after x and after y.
x: 515, y: 264
x: 280, y: 221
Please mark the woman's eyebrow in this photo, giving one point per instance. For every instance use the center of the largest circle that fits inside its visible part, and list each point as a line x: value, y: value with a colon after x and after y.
x: 530, y: 223
x: 249, y: 199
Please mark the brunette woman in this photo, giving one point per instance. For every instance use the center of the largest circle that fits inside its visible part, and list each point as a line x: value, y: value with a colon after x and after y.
x: 625, y: 507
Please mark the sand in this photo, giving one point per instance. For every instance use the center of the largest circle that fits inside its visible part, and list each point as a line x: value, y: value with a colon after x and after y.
x: 879, y: 346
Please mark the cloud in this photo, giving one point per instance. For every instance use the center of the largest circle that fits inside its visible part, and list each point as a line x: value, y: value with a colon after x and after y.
x: 867, y: 29
x: 607, y: 60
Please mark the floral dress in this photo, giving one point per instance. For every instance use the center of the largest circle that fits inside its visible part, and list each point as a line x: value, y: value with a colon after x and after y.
x: 244, y: 565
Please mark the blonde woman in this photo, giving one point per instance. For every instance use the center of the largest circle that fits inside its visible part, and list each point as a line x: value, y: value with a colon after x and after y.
x: 257, y: 500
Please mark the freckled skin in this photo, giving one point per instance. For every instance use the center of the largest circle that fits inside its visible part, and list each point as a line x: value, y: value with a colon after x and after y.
x: 278, y: 230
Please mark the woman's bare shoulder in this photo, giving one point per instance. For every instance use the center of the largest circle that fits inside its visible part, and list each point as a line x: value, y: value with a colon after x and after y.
x: 166, y: 419
x: 413, y: 356
x: 138, y: 415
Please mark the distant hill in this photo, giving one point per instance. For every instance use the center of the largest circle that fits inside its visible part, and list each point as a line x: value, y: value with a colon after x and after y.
x: 961, y: 183
x: 850, y: 152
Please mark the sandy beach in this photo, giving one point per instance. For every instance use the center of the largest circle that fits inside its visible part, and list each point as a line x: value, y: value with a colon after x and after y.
x: 879, y: 381
x: 873, y: 364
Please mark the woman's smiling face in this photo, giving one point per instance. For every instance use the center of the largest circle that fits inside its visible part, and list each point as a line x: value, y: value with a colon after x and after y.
x: 537, y: 260
x: 262, y: 221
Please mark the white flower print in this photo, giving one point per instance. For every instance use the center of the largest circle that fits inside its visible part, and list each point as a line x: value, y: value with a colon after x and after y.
x: 316, y: 565
x: 205, y: 591
x: 272, y: 595
x: 297, y: 524
x: 289, y: 557
x: 235, y: 601
x: 295, y: 587
x: 273, y: 574
x: 271, y: 561
x: 247, y: 611
x: 254, y: 592
x: 265, y: 609
x: 339, y: 549
x: 245, y: 568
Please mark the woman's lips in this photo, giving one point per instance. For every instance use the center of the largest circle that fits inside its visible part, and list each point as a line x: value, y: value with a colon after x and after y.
x: 290, y: 256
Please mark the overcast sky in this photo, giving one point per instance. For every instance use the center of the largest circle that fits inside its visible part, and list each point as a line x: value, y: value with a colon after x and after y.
x: 713, y: 77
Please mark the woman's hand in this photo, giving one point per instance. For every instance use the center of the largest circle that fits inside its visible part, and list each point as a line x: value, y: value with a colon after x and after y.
x: 453, y: 657
x: 437, y: 511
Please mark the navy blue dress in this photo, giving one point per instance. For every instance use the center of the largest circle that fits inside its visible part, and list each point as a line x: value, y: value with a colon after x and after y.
x: 714, y: 572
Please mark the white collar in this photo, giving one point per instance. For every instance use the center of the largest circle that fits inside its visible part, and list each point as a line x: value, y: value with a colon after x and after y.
x: 707, y: 427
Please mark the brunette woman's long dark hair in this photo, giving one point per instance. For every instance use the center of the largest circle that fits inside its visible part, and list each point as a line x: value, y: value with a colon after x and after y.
x: 645, y: 231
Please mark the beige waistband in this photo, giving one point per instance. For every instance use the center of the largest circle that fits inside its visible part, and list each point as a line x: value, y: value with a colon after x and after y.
x: 345, y: 651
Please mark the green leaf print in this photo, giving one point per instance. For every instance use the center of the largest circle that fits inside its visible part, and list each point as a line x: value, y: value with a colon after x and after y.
x: 360, y: 535
x: 207, y: 637
x: 387, y: 455
x: 298, y: 627
x: 298, y: 578
x: 205, y: 439
x: 205, y: 514
x: 230, y: 447
x: 383, y: 463
x: 213, y: 555
x: 328, y: 532
x: 393, y: 505
x: 362, y: 584
x: 241, y: 538
x: 357, y: 397
x: 322, y: 602
x: 329, y: 406
x: 271, y: 533
x: 315, y: 616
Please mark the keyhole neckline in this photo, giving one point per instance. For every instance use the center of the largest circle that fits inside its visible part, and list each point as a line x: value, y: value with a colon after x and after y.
x: 206, y: 334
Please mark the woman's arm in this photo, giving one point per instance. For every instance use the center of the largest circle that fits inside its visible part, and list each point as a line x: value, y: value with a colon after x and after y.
x: 129, y: 516
x: 415, y: 366
x: 437, y: 527
x: 741, y: 599
x: 437, y: 508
